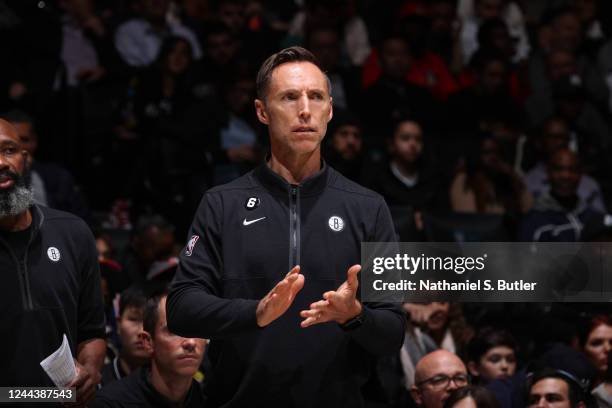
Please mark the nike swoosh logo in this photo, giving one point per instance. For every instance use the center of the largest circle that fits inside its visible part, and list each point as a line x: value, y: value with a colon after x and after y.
x: 245, y: 222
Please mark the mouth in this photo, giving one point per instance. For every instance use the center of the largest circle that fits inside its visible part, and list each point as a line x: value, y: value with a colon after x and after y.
x: 6, y: 182
x: 188, y: 357
x: 303, y: 129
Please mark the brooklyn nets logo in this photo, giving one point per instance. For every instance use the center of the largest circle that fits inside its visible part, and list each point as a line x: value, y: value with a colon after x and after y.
x: 336, y: 223
x: 54, y: 254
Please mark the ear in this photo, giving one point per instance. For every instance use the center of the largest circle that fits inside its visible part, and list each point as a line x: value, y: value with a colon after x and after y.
x: 260, y: 109
x: 331, y: 109
x: 473, y: 368
x: 416, y: 395
x: 147, y: 341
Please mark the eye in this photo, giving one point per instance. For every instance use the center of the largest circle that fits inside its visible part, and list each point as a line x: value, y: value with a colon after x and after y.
x: 317, y: 96
x: 290, y: 97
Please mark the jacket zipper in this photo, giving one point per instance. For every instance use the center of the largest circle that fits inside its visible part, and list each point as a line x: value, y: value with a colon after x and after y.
x: 294, y: 229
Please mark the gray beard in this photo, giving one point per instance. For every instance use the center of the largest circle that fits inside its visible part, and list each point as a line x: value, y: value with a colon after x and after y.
x: 16, y: 201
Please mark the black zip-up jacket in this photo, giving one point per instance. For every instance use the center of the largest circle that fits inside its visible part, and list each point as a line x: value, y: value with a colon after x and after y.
x: 245, y: 237
x: 54, y: 290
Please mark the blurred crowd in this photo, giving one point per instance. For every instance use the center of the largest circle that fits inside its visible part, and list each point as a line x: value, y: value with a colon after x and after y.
x: 476, y: 120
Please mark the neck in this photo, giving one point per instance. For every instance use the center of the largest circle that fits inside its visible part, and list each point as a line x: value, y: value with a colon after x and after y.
x: 19, y: 222
x: 130, y: 364
x: 406, y: 169
x: 295, y: 168
x: 173, y: 387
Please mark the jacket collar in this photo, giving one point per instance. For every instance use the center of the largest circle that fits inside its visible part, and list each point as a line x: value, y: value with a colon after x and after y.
x: 312, y: 185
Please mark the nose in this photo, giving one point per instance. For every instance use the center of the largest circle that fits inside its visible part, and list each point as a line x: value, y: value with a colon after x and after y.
x: 304, y: 108
x: 189, y: 344
x: 503, y: 366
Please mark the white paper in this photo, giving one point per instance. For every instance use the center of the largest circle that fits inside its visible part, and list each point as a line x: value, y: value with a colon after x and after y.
x: 60, y: 366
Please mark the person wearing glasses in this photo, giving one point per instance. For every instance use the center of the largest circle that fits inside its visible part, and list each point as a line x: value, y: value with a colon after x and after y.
x: 437, y: 375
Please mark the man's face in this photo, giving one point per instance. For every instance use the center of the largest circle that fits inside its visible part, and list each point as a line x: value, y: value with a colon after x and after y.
x: 129, y: 327
x: 346, y: 141
x: 566, y: 32
x: 232, y: 15
x: 15, y: 191
x: 564, y: 173
x: 434, y: 388
x: 549, y: 393
x: 297, y: 108
x: 395, y: 58
x: 407, y: 142
x: 486, y: 9
x: 221, y: 48
x: 240, y: 95
x: 556, y: 136
x: 442, y: 18
x: 498, y: 362
x: 325, y: 45
x: 175, y: 355
x: 598, y: 347
x: 493, y: 77
x: 561, y: 64
x: 179, y: 58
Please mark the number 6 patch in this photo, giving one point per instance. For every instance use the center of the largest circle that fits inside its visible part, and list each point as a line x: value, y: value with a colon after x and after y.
x: 252, y: 203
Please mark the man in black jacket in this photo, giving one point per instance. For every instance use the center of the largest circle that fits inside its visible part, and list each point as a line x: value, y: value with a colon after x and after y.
x: 50, y: 282
x: 309, y: 341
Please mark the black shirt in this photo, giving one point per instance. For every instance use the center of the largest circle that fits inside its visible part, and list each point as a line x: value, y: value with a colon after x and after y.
x: 136, y: 390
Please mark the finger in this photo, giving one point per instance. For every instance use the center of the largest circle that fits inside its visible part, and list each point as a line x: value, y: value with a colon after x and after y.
x: 310, y: 321
x: 297, y: 285
x: 310, y: 313
x: 328, y: 295
x: 351, y: 279
x: 295, y: 270
x: 319, y: 305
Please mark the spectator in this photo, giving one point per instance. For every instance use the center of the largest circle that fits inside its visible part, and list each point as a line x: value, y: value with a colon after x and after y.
x: 489, y: 97
x: 139, y: 40
x: 221, y: 56
x: 559, y: 214
x: 560, y: 57
x: 168, y: 380
x: 483, y: 186
x: 239, y: 140
x: 474, y: 12
x: 409, y: 177
x: 132, y: 353
x: 555, y: 388
x: 325, y: 43
x: 87, y: 51
x: 344, y: 145
x: 392, y: 93
x: 341, y: 14
x: 152, y: 240
x: 473, y: 397
x: 555, y: 135
x: 492, y: 355
x: 595, y: 336
x: 437, y: 375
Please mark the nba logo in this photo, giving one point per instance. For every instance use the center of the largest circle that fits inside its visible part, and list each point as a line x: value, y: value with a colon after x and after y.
x: 191, y: 245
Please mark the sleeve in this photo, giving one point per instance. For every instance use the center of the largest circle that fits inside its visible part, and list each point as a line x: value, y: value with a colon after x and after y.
x: 384, y: 324
x: 91, y: 323
x: 195, y: 305
x: 128, y: 46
